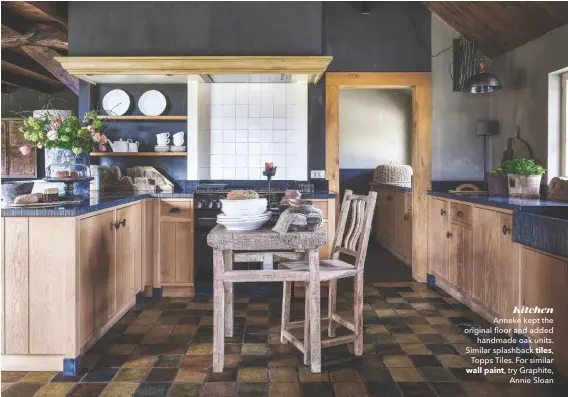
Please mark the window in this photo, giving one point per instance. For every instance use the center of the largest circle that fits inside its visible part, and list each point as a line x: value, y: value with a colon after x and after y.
x: 564, y: 126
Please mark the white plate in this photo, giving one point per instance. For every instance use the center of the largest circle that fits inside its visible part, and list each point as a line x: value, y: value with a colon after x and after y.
x: 152, y: 103
x: 226, y: 218
x: 116, y: 102
x: 242, y: 226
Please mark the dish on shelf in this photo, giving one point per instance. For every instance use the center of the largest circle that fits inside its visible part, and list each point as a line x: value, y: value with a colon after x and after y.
x: 245, y: 223
x: 152, y: 103
x: 243, y: 208
x: 116, y: 102
x: 178, y: 148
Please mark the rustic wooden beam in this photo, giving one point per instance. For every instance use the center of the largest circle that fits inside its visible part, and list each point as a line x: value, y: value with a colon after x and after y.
x: 26, y: 82
x: 37, y: 10
x: 45, y: 57
x: 25, y: 66
x: 40, y: 34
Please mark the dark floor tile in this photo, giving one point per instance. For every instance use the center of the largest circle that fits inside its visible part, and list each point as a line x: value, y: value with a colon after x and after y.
x: 437, y: 374
x: 185, y: 390
x: 416, y: 320
x: 317, y: 389
x: 389, y: 389
x: 218, y: 389
x: 111, y: 361
x: 22, y: 389
x: 425, y: 360
x: 400, y: 329
x: 441, y: 349
x: 229, y: 374
x: 350, y: 389
x: 254, y: 361
x: 87, y: 390
x: 415, y: 299
x: 152, y: 390
x: 335, y: 352
x: 189, y: 320
x: 162, y: 375
x: 168, y: 361
x: 432, y: 338
x: 131, y: 339
x: 252, y: 390
x: 74, y: 379
x: 449, y: 390
x: 100, y: 375
x: 416, y: 389
x: 256, y: 338
x: 388, y: 349
x: 374, y: 375
x: 463, y: 376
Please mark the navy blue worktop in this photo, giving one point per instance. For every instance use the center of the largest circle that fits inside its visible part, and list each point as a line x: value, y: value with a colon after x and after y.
x: 101, y: 201
x: 505, y: 202
x: 405, y: 187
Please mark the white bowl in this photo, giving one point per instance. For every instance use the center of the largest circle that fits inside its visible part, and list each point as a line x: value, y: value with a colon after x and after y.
x: 243, y: 203
x: 226, y: 218
x: 243, y: 208
x: 244, y: 225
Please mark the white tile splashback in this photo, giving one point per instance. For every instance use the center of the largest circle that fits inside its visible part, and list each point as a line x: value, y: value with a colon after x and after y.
x: 244, y: 125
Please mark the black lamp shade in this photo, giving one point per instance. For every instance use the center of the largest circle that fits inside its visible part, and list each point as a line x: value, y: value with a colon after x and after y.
x: 481, y: 83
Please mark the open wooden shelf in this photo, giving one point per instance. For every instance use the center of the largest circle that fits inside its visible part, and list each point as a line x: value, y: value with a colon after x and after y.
x: 138, y: 154
x: 144, y: 118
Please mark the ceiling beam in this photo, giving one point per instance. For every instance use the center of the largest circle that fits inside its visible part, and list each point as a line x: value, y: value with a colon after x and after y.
x: 40, y: 34
x: 23, y: 65
x: 45, y: 57
x: 42, y: 11
x: 26, y: 82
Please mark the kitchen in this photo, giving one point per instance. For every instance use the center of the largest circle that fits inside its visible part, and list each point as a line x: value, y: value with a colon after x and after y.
x: 155, y: 242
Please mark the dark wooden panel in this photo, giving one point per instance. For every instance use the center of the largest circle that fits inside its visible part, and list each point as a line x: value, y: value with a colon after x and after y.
x: 499, y: 27
x: 17, y: 165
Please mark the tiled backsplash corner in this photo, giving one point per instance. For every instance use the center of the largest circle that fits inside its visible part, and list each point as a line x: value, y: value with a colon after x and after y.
x: 244, y: 125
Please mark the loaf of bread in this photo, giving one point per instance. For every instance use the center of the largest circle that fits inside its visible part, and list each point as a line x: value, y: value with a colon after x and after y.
x: 61, y: 174
x: 29, y: 198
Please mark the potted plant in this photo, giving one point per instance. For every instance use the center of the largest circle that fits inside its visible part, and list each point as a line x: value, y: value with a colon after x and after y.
x: 497, y: 182
x: 524, y: 176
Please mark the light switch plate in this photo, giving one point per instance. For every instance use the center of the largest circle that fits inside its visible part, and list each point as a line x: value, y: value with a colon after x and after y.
x: 317, y: 174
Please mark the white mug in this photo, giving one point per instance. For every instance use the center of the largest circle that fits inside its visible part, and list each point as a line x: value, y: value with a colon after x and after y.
x: 163, y: 141
x: 163, y: 135
x: 178, y: 142
x: 179, y: 134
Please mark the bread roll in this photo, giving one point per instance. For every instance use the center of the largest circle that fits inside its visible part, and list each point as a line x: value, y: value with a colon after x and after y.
x: 33, y: 198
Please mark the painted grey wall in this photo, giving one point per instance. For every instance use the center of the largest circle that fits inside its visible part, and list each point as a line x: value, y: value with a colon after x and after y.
x: 375, y: 127
x: 524, y: 99
x: 394, y: 37
x: 26, y: 100
x: 457, y: 153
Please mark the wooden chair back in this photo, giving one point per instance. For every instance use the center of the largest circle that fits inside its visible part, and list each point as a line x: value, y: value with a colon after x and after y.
x: 354, y: 228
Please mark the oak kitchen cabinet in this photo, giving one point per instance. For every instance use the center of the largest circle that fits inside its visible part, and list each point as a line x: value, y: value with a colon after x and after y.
x: 175, y: 247
x: 393, y: 222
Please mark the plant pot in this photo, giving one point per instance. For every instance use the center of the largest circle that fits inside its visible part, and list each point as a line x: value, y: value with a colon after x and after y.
x: 497, y: 184
x: 524, y: 185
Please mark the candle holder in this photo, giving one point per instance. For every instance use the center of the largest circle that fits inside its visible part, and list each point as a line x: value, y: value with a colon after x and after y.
x: 269, y: 173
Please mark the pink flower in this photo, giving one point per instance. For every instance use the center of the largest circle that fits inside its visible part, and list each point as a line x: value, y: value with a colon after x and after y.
x: 25, y: 150
x: 96, y: 137
x: 57, y: 123
x: 103, y: 138
x: 102, y: 148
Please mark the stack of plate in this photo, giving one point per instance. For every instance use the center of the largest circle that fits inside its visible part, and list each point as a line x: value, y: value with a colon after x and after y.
x: 243, y: 214
x: 165, y: 148
x: 177, y: 148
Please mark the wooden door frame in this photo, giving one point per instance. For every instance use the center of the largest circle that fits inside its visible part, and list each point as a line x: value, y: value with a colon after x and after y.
x: 420, y: 83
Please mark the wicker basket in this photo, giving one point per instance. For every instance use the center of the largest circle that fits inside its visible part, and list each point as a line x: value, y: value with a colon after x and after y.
x: 393, y: 173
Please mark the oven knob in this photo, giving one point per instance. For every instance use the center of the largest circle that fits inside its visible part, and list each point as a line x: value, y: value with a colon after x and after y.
x: 212, y: 204
x: 201, y: 204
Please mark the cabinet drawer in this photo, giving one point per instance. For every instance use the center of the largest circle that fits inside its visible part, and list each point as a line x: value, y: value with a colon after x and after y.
x: 322, y: 205
x: 461, y: 213
x: 180, y: 210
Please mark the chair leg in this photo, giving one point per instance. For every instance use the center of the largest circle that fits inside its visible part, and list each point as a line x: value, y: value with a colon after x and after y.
x: 358, y: 311
x: 331, y: 307
x: 286, y: 297
x: 307, y: 346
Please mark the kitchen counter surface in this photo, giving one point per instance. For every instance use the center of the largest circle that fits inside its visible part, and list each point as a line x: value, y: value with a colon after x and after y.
x: 406, y: 187
x: 505, y: 202
x: 101, y: 201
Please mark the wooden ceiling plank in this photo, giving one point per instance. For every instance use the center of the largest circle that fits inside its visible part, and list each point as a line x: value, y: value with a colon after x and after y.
x: 40, y: 34
x: 21, y: 70
x: 45, y: 57
x: 37, y: 11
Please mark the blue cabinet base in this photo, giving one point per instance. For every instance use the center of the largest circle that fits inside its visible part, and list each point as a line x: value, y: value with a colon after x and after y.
x: 430, y: 280
x: 71, y: 366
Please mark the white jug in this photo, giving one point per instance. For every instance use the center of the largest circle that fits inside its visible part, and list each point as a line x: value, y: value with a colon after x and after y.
x: 133, y: 146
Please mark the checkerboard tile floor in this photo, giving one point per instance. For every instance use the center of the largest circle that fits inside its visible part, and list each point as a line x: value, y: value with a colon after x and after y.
x: 414, y: 346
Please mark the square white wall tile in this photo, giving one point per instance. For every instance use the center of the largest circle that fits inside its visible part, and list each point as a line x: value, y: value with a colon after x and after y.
x: 244, y: 125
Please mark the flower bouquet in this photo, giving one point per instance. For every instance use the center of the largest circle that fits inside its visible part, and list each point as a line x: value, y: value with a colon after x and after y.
x: 51, y: 131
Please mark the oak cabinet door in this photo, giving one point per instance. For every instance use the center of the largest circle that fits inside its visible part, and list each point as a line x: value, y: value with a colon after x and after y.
x: 97, y: 272
x: 399, y: 230
x: 437, y: 238
x: 176, y: 252
x: 128, y: 253
x: 461, y: 258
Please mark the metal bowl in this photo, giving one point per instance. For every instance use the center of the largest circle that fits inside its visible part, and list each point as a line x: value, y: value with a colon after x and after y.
x: 11, y: 190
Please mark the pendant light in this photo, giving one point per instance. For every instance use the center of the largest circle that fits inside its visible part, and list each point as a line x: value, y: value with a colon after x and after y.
x: 482, y: 82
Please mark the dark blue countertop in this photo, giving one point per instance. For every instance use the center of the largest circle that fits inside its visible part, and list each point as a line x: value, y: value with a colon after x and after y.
x: 406, y: 187
x: 505, y: 202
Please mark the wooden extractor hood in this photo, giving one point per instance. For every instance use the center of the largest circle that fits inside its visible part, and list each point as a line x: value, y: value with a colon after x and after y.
x: 177, y: 69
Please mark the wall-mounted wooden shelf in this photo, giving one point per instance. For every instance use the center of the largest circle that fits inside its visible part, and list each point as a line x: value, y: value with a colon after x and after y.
x: 144, y: 118
x: 138, y: 154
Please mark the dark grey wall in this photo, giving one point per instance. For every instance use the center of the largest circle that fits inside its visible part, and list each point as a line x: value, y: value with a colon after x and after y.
x: 26, y: 100
x: 394, y: 37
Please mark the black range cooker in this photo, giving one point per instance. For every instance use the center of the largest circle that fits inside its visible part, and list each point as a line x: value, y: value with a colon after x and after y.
x: 207, y: 205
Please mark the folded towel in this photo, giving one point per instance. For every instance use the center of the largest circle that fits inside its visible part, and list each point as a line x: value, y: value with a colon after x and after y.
x: 298, y: 218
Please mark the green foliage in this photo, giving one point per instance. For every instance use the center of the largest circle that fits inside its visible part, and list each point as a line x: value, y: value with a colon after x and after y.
x: 495, y: 171
x: 523, y: 166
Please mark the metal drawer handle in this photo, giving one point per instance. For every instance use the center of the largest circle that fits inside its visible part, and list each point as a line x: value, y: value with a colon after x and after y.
x: 175, y: 210
x: 389, y: 198
x: 405, y: 217
x: 459, y: 213
x: 506, y: 229
x: 448, y: 234
x: 442, y: 212
x: 123, y: 222
x: 116, y: 224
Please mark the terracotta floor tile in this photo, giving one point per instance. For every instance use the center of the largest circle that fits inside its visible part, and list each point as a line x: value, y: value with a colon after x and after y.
x: 345, y: 375
x: 253, y: 374
x: 283, y: 375
x: 306, y: 375
x: 131, y: 375
x: 218, y: 389
x: 406, y: 338
x: 202, y: 349
x: 415, y: 348
x: 12, y: 376
x: 397, y: 361
x: 454, y: 361
x: 350, y: 389
x: 255, y: 348
x: 54, y: 390
x: 409, y: 374
x: 122, y: 350
x: 140, y: 362
x: 185, y: 390
x: 119, y: 389
x: 87, y: 390
x: 191, y: 375
x: 284, y: 390
x: 38, y: 377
